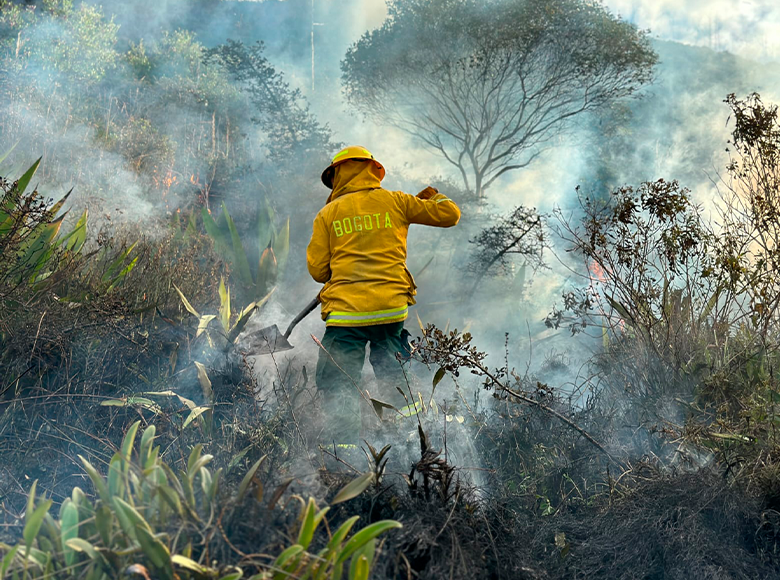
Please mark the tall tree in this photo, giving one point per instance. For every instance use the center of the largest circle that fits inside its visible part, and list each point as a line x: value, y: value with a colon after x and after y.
x: 488, y: 83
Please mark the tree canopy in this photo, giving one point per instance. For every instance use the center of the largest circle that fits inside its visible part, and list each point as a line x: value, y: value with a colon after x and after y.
x: 488, y: 84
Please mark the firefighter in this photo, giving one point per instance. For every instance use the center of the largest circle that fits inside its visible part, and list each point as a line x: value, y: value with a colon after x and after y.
x: 358, y: 251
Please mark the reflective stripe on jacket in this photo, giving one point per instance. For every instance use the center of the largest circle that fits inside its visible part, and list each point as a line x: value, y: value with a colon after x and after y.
x: 358, y: 247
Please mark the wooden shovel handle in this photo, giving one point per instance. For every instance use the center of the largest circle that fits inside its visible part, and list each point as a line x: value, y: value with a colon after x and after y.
x: 310, y: 307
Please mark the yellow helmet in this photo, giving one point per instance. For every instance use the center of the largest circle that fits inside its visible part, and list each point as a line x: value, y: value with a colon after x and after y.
x: 353, y: 152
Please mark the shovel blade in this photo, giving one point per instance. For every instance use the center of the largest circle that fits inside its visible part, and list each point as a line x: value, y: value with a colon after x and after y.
x: 266, y: 341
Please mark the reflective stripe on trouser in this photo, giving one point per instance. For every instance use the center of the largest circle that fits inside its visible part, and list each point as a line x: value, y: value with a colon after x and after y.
x: 338, y: 387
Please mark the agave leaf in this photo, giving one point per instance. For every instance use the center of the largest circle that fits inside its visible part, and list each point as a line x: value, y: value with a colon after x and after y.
x: 282, y: 245
x: 116, y: 265
x: 203, y: 323
x: 250, y: 474
x: 220, y: 239
x: 267, y: 271
x: 25, y: 179
x: 243, y: 318
x: 354, y: 488
x: 121, y: 276
x: 74, y: 240
x: 186, y: 302
x: 241, y: 263
x: 205, y: 382
x: 224, y: 305
x: 33, y: 525
x: 194, y: 414
x: 364, y: 536
x: 38, y: 247
x: 55, y: 209
x: 69, y: 522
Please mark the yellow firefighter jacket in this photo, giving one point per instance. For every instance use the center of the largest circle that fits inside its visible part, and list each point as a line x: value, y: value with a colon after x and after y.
x: 358, y: 247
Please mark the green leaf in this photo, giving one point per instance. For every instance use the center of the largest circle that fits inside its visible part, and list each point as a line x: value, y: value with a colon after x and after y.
x: 129, y: 441
x: 156, y: 551
x: 7, y: 559
x: 188, y: 564
x: 194, y: 414
x: 354, y: 488
x: 241, y: 264
x: 33, y: 525
x: 233, y: 575
x: 341, y: 533
x: 116, y: 265
x: 38, y: 247
x: 205, y: 382
x: 282, y: 245
x: 25, y: 179
x: 83, y: 546
x: 97, y: 480
x: 220, y: 239
x: 306, y: 533
x: 267, y: 270
x: 364, y: 536
x: 74, y: 240
x: 203, y: 323
x: 129, y: 518
x: 121, y: 276
x: 186, y: 302
x: 116, y: 476
x: 55, y: 209
x: 284, y: 557
x: 437, y: 378
x: 171, y: 498
x: 69, y: 523
x: 243, y: 318
x: 130, y: 401
x: 104, y: 520
x: 147, y: 441
x: 224, y: 305
x: 359, y: 568
x: 250, y: 474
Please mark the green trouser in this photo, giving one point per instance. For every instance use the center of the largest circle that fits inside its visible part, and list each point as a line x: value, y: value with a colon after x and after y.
x: 339, y: 371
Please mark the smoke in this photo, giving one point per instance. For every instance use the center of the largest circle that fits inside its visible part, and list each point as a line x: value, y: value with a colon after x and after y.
x: 677, y: 131
x: 748, y: 28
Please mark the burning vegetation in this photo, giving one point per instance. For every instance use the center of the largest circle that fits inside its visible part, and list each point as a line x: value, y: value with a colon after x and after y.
x: 142, y: 434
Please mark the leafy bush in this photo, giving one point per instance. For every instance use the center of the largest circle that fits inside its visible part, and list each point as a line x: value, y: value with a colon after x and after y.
x: 144, y: 511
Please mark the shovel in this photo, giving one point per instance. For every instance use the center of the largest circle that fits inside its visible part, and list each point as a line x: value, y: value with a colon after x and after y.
x: 269, y: 340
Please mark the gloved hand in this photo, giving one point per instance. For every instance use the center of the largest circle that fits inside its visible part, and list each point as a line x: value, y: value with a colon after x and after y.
x: 427, y: 193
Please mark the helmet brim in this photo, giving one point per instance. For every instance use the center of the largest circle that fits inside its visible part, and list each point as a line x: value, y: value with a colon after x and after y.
x: 330, y: 171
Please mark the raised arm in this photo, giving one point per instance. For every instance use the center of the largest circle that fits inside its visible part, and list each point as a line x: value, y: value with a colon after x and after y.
x: 318, y: 252
x: 431, y: 208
